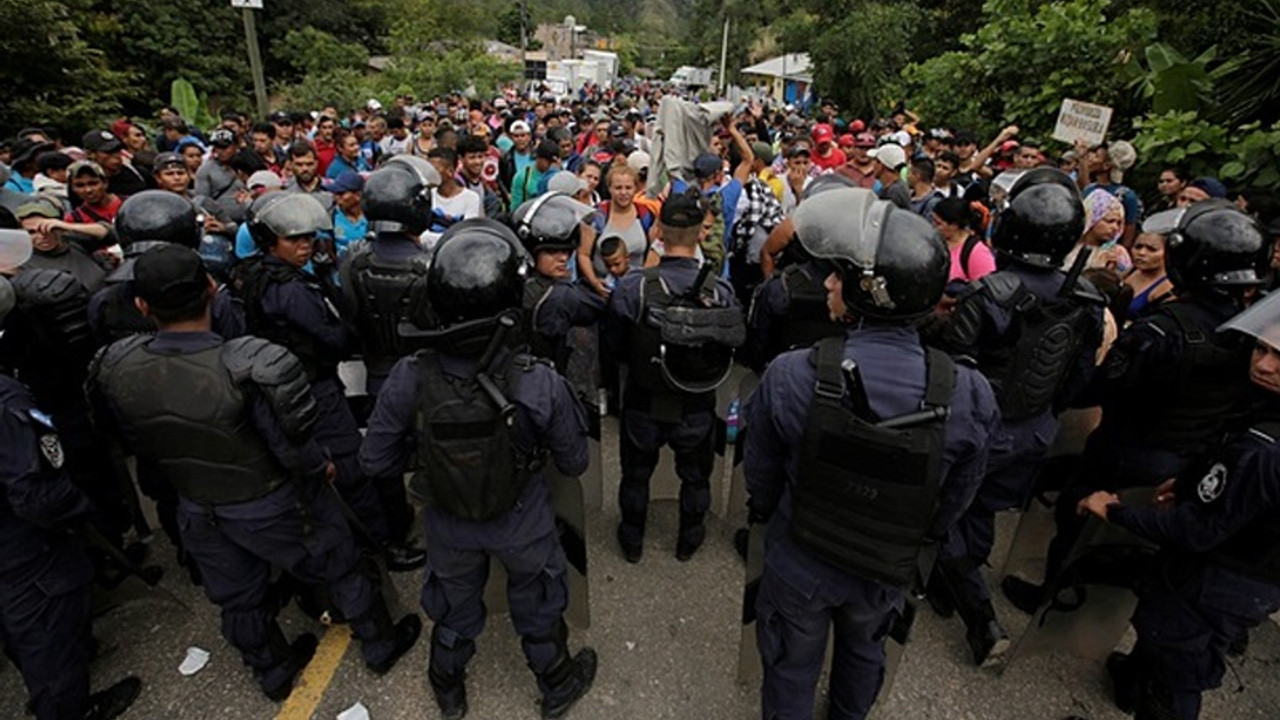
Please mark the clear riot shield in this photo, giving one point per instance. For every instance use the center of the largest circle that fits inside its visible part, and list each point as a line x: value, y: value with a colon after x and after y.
x: 1090, y: 602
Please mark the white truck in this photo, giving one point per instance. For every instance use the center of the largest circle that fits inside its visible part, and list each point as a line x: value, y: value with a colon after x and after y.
x: 608, y: 65
x: 693, y: 78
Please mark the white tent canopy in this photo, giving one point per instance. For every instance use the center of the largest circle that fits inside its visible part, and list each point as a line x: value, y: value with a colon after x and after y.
x: 788, y: 67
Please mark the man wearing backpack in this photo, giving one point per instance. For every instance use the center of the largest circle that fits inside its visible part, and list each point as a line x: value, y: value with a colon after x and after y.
x: 669, y: 398
x: 481, y: 418
x: 860, y: 454
x: 1033, y: 330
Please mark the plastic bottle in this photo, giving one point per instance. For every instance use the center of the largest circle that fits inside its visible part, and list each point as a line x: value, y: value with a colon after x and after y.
x: 731, y: 421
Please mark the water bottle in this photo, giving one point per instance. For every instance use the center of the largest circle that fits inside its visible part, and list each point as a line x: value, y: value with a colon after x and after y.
x: 731, y: 422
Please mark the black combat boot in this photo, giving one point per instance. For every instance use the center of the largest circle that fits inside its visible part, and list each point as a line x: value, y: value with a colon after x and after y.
x: 1022, y: 594
x: 566, y: 682
x: 450, y: 694
x: 301, y: 650
x: 112, y: 702
x: 693, y: 532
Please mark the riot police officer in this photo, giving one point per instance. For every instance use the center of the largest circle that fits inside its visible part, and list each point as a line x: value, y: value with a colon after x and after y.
x: 44, y: 572
x: 1218, y: 525
x: 481, y: 417
x: 1169, y: 384
x: 48, y: 343
x: 148, y: 220
x: 862, y: 453
x: 789, y: 309
x: 291, y: 307
x: 550, y: 226
x: 231, y: 426
x: 378, y: 277
x: 669, y: 398
x: 1033, y: 331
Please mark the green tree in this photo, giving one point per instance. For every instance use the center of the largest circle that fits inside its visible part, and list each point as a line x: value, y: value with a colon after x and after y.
x: 858, y: 58
x: 51, y: 74
x: 1027, y: 56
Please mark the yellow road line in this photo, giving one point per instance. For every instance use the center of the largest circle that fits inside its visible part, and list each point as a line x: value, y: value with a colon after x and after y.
x: 305, y: 698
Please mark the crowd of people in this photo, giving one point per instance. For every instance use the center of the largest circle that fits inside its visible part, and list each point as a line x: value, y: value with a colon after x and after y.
x: 921, y: 311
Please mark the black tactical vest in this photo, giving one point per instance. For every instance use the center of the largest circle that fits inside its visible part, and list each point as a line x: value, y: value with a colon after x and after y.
x: 1207, y: 390
x: 120, y: 317
x: 58, y: 306
x: 683, y: 345
x: 251, y: 280
x: 382, y: 290
x: 468, y: 458
x: 537, y: 290
x: 1043, y: 342
x: 808, y: 318
x: 191, y: 420
x: 867, y: 491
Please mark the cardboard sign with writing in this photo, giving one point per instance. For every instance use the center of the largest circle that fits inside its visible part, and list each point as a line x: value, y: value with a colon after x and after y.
x: 1082, y: 121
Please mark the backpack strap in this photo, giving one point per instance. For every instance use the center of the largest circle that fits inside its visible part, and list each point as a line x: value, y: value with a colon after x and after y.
x: 940, y: 378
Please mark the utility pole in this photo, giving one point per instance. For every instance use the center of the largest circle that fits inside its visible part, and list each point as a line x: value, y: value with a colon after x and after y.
x: 255, y: 54
x: 724, y: 56
x: 524, y: 30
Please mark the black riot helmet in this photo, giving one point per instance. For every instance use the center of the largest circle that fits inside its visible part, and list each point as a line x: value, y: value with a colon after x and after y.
x: 1211, y: 245
x: 156, y: 216
x: 1042, y: 220
x: 286, y: 214
x: 892, y: 262
x: 478, y: 270
x: 551, y: 221
x: 397, y: 196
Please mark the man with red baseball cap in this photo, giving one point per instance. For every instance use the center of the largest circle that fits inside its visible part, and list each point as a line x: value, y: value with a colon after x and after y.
x: 825, y: 153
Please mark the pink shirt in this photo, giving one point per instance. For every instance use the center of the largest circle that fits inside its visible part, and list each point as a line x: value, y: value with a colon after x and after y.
x: 981, y: 262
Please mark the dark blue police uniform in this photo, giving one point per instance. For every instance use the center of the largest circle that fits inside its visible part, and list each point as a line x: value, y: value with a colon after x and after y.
x: 554, y: 308
x: 296, y: 312
x: 653, y: 417
x: 1219, y: 572
x: 296, y: 526
x: 800, y: 595
x: 523, y: 539
x: 789, y: 310
x: 1018, y: 445
x: 1167, y: 387
x: 44, y: 573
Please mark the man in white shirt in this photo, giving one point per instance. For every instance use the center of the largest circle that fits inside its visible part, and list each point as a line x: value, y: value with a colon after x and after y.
x: 450, y: 202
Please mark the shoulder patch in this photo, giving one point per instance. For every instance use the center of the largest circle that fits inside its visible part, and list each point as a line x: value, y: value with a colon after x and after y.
x: 1211, y: 485
x: 51, y: 449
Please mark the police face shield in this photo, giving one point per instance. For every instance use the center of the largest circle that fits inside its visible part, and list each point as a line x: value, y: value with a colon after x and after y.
x: 425, y: 171
x: 842, y: 225
x: 15, y: 249
x: 1260, y: 322
x: 294, y: 215
x: 551, y: 217
x: 1164, y: 222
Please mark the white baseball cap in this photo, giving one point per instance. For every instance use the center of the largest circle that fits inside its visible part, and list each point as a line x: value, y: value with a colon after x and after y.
x: 891, y: 156
x: 519, y: 126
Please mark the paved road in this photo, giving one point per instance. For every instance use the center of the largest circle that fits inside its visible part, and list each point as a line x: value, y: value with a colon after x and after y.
x: 667, y: 634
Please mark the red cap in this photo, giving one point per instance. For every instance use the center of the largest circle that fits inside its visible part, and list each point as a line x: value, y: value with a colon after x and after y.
x: 822, y: 132
x: 846, y: 140
x: 1008, y: 145
x: 857, y: 126
x: 864, y: 140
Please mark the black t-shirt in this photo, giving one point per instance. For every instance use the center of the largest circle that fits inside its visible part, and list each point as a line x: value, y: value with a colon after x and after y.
x: 129, y: 181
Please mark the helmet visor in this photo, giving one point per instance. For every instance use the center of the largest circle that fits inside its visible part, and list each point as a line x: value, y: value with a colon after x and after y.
x: 295, y: 214
x: 841, y: 224
x: 15, y: 248
x: 553, y: 216
x: 1261, y: 321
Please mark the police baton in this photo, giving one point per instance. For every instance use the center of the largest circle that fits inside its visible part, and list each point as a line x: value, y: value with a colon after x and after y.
x: 1073, y: 275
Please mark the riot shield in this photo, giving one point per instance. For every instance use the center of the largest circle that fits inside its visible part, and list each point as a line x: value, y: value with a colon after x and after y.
x: 1089, y: 604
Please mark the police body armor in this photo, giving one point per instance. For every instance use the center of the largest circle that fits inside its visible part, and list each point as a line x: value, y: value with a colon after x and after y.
x: 191, y: 417
x: 1208, y: 385
x: 808, y: 318
x: 868, y: 491
x: 537, y: 290
x: 1044, y: 340
x: 252, y: 279
x: 683, y: 345
x: 1254, y: 550
x: 120, y: 317
x: 58, y: 307
x: 468, y: 459
x: 382, y: 290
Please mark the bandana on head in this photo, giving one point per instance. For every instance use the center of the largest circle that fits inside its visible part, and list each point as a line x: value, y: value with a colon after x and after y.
x: 1096, y: 206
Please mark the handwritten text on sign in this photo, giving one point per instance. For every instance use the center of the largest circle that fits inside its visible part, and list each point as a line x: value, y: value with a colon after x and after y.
x: 1082, y: 121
